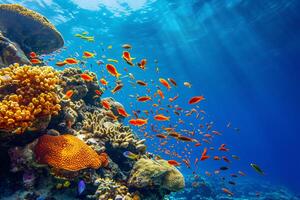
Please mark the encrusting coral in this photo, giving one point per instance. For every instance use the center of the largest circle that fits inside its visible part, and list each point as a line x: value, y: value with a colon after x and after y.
x: 27, y: 93
x: 67, y: 152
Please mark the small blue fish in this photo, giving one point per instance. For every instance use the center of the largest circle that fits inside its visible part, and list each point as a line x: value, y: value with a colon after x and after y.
x: 81, y: 187
x: 130, y: 155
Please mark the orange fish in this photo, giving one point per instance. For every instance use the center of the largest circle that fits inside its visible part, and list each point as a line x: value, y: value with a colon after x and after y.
x: 225, y: 159
x: 105, y: 104
x: 122, y: 112
x: 32, y: 55
x: 112, y: 70
x: 223, y: 148
x: 98, y: 92
x: 69, y: 94
x: 174, y: 98
x: 138, y: 122
x: 174, y: 134
x: 103, y: 81
x: 196, y: 99
x: 186, y: 139
x: 172, y: 81
x: 144, y: 98
x: 225, y: 190
x: 126, y: 56
x: 35, y: 61
x: 217, y: 158
x: 111, y: 115
x: 161, y: 118
x: 86, y: 77
x: 198, y: 144
x: 71, y: 61
x: 204, y: 155
x: 165, y: 83
x: 168, y: 129
x: 187, y: 162
x: 161, y: 94
x: 161, y: 136
x: 173, y: 162
x: 142, y: 83
x: 60, y: 63
x: 142, y: 64
x: 118, y: 87
x: 87, y: 54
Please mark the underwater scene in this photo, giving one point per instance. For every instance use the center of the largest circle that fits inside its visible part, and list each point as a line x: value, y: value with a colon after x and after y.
x: 149, y: 99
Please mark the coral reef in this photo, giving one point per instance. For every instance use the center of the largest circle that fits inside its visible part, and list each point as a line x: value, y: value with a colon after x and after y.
x: 68, y: 153
x: 151, y: 173
x: 42, y: 37
x: 110, y: 189
x: 17, y: 40
x: 103, y: 128
x: 83, y: 90
x: 27, y: 94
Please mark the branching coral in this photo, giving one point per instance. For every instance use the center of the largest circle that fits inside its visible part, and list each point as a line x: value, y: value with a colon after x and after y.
x: 110, y: 189
x: 27, y: 93
x: 116, y: 134
x: 67, y: 152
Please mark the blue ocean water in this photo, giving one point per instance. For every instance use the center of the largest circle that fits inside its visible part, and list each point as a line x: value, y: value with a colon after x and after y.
x: 242, y: 55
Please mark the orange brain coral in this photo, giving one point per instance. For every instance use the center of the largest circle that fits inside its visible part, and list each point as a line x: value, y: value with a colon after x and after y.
x: 67, y: 152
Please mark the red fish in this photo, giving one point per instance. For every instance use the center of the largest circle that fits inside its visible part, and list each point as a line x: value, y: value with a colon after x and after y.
x: 98, y: 92
x: 204, y: 155
x: 35, y: 61
x: 86, y: 77
x: 32, y: 55
x: 196, y: 99
x: 173, y: 162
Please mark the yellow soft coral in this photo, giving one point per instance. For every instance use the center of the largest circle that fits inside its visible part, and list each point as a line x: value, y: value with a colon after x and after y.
x: 27, y: 93
x: 67, y: 152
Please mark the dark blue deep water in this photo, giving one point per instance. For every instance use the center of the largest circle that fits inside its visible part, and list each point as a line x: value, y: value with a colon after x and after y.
x: 242, y: 55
